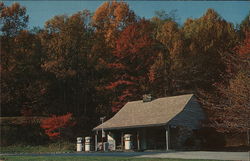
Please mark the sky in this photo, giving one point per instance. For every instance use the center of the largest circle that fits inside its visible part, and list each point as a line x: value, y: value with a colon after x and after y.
x: 41, y: 11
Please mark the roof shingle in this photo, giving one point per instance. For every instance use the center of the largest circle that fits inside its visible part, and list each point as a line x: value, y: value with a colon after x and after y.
x: 140, y: 114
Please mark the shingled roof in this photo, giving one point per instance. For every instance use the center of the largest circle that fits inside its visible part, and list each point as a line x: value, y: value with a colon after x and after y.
x: 141, y: 114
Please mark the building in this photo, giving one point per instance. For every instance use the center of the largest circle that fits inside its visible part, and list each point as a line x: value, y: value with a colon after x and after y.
x: 163, y: 123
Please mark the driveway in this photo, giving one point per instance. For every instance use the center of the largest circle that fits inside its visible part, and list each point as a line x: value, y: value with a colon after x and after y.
x: 244, y: 156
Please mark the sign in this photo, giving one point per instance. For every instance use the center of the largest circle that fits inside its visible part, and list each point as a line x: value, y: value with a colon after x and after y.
x: 103, y: 134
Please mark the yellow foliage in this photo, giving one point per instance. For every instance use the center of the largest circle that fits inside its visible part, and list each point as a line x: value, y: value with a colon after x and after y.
x: 110, y: 18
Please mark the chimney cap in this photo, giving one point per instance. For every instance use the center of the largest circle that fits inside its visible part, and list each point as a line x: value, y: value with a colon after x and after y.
x: 147, y: 98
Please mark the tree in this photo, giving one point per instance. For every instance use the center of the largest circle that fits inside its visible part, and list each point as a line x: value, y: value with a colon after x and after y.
x: 13, y: 19
x: 67, y: 42
x: 210, y: 42
x: 111, y: 18
x: 108, y: 21
x: 172, y: 43
x: 135, y: 52
x: 21, y: 83
x: 244, y: 47
x: 57, y: 126
x: 244, y: 26
x: 228, y: 106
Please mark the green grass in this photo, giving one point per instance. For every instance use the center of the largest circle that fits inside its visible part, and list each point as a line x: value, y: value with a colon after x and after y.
x: 85, y: 158
x: 51, y: 148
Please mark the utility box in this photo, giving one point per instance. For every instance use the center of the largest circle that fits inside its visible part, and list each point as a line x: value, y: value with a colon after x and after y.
x: 79, y: 144
x: 87, y: 143
x: 128, y: 142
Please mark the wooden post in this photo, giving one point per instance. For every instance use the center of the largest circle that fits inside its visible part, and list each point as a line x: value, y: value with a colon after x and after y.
x: 102, y: 140
x: 122, y: 141
x: 167, y: 138
x: 138, y: 140
x: 96, y: 142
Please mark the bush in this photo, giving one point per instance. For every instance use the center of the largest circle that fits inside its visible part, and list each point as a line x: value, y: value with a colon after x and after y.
x: 25, y: 134
x: 210, y: 138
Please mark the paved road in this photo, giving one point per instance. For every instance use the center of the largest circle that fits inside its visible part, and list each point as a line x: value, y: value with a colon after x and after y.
x: 244, y: 156
x: 203, y: 155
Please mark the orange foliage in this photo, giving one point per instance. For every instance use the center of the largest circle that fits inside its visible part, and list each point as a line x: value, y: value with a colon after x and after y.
x: 245, y: 47
x: 110, y: 18
x: 55, y: 125
x: 117, y: 83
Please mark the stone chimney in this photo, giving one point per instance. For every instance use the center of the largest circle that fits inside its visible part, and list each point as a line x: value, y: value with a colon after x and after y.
x: 147, y: 98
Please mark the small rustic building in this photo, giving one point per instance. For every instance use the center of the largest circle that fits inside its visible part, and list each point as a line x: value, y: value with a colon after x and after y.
x: 161, y: 123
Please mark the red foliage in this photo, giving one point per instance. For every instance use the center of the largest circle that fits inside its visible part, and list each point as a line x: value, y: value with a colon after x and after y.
x: 116, y: 65
x: 134, y: 54
x: 117, y: 83
x: 55, y: 125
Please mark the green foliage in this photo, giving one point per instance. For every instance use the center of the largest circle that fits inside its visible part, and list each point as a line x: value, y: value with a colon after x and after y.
x: 26, y: 133
x: 57, y: 147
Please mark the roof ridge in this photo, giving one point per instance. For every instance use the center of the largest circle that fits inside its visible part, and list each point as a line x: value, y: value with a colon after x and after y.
x: 161, y: 98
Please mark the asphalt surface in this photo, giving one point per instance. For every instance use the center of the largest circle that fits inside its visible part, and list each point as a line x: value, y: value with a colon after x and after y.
x: 244, y: 156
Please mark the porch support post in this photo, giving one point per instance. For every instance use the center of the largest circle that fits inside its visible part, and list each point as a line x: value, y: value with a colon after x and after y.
x: 122, y: 141
x: 143, y: 139
x: 167, y: 138
x: 96, y: 141
x: 138, y: 140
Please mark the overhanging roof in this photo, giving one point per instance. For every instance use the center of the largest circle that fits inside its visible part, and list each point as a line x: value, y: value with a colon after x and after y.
x: 142, y: 114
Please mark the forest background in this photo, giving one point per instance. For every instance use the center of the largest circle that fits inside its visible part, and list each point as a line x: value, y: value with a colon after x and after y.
x: 57, y: 81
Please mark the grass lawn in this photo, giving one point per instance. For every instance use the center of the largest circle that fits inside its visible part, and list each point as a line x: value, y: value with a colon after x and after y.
x: 51, y: 148
x: 85, y: 158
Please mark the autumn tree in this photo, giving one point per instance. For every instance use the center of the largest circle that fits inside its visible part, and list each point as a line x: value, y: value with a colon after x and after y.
x: 135, y: 53
x: 244, y: 26
x: 21, y: 83
x: 13, y: 19
x: 228, y: 105
x: 210, y: 42
x: 244, y: 47
x: 108, y: 21
x: 58, y: 126
x: 171, y: 41
x: 67, y: 43
x: 111, y: 18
